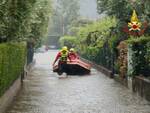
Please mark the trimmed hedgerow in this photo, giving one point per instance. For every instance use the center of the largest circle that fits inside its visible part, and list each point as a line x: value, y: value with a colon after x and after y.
x: 12, y: 60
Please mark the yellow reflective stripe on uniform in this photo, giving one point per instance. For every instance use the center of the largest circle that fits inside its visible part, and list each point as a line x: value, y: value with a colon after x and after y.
x: 64, y: 56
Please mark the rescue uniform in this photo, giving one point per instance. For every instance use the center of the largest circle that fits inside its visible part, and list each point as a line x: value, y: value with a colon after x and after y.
x: 73, y: 56
x: 63, y: 55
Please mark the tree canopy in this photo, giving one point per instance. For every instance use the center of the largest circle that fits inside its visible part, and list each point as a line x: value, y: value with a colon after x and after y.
x: 64, y: 13
x: 122, y: 10
x: 23, y: 19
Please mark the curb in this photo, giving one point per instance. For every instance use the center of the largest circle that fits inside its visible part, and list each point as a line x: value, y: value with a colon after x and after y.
x: 124, y: 82
x: 100, y: 68
x: 8, y: 96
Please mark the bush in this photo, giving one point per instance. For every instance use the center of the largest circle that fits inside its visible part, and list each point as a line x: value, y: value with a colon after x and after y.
x: 68, y: 41
x: 97, y: 43
x: 140, y: 56
x: 12, y: 60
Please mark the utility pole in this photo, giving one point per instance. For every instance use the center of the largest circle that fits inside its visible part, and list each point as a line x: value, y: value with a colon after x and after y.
x: 63, y: 25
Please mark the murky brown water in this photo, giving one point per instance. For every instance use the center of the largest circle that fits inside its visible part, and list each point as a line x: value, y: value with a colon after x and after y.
x: 44, y: 92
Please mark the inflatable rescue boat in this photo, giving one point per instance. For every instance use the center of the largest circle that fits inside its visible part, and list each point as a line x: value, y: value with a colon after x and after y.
x: 74, y: 67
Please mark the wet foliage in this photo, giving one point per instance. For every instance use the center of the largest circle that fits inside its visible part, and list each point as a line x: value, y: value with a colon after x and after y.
x: 12, y: 60
x: 68, y: 41
x: 23, y: 19
x: 97, y: 43
x: 140, y: 57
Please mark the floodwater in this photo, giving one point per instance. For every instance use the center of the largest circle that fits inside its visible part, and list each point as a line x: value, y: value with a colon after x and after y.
x: 44, y: 92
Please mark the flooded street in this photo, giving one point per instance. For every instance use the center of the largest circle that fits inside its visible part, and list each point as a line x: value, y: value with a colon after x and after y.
x: 44, y: 92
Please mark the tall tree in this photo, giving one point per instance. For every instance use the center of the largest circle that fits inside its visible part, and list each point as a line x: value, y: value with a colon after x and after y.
x: 22, y: 19
x: 41, y: 16
x: 122, y: 9
x: 65, y: 12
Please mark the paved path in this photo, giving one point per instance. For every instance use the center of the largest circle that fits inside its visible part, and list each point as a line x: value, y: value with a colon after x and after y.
x: 44, y: 92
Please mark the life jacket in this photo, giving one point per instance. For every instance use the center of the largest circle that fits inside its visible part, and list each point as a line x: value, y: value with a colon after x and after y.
x: 73, y: 56
x: 64, y: 56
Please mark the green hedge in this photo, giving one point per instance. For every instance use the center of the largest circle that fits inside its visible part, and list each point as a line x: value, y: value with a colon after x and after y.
x: 12, y: 60
x: 139, y: 56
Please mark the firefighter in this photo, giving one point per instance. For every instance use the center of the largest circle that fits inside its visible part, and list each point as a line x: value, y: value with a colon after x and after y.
x: 62, y: 56
x: 72, y: 54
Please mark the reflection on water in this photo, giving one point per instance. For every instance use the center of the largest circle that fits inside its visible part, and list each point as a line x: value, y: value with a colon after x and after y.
x: 44, y: 92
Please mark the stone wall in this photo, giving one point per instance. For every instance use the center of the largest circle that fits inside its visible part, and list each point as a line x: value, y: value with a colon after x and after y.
x: 141, y: 86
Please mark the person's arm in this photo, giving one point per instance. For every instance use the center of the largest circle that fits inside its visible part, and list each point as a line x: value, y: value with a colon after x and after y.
x: 77, y: 56
x: 57, y: 57
x: 69, y: 57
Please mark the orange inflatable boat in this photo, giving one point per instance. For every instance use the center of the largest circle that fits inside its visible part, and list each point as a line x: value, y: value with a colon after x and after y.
x: 74, y: 67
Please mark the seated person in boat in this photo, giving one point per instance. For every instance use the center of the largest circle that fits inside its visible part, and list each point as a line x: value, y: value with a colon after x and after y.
x: 72, y: 54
